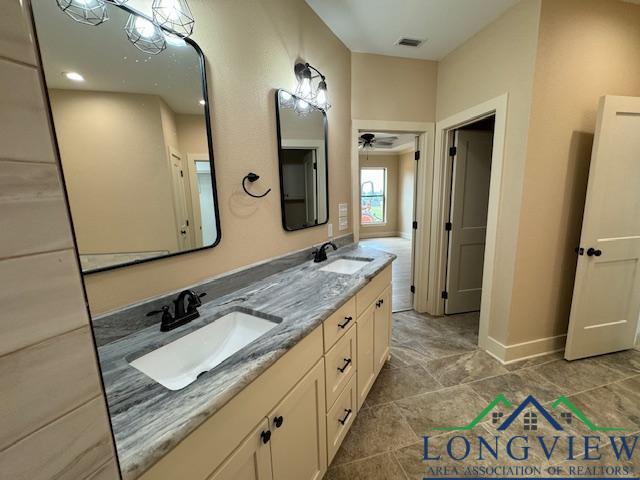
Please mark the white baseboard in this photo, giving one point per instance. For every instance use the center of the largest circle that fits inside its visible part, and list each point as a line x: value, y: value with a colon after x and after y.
x: 378, y: 234
x: 523, y: 351
x: 406, y: 236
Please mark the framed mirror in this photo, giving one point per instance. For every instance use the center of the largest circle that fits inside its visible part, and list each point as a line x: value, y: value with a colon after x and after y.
x: 134, y: 137
x: 302, y: 153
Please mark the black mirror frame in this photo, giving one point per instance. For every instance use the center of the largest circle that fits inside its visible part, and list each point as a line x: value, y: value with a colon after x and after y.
x: 207, y: 117
x: 280, y: 156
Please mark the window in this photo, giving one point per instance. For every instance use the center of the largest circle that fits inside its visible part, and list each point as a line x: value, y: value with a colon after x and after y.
x: 373, y: 196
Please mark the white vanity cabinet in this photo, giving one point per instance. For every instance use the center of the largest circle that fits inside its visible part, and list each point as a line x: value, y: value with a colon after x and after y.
x: 289, y: 423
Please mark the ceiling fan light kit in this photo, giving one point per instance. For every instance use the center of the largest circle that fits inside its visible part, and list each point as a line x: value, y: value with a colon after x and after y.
x: 171, y: 19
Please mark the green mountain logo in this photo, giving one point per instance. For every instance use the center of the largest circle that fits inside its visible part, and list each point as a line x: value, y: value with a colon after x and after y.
x: 533, y: 404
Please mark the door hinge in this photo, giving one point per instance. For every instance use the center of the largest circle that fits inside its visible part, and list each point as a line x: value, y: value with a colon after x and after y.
x: 187, y: 223
x: 453, y: 151
x: 415, y: 225
x: 413, y: 289
x: 417, y: 155
x: 448, y: 226
x: 181, y: 173
x: 580, y: 250
x: 315, y: 166
x: 445, y: 295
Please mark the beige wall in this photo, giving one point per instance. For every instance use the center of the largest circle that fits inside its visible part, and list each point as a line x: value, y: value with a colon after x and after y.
x: 499, y: 59
x: 53, y: 414
x: 192, y: 134
x: 244, y: 71
x: 390, y: 228
x: 588, y: 48
x: 114, y: 150
x: 406, y: 185
x: 393, y: 88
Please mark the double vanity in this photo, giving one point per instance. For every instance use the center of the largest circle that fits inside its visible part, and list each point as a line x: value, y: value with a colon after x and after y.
x: 265, y: 384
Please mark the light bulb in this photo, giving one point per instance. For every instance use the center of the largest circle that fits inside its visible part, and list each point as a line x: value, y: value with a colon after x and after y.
x: 202, y: 102
x: 75, y: 76
x: 170, y: 9
x: 145, y: 28
x: 305, y: 87
x: 321, y: 97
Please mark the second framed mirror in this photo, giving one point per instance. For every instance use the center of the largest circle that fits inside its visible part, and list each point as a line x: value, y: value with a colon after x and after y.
x: 302, y: 153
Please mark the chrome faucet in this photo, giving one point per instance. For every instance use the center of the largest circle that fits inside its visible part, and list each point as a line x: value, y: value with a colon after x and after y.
x: 182, y: 314
x: 320, y: 254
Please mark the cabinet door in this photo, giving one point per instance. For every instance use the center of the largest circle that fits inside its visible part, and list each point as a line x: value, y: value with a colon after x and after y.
x: 366, y: 371
x: 299, y: 430
x: 382, y: 329
x: 251, y: 460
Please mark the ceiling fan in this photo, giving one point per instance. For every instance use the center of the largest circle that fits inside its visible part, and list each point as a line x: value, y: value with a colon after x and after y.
x: 370, y: 141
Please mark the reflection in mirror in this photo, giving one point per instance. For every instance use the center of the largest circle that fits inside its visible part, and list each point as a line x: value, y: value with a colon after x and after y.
x: 302, y: 148
x: 133, y: 137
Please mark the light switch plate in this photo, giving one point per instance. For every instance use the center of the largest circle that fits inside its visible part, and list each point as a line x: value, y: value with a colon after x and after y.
x: 343, y: 209
x: 330, y: 229
x: 343, y: 224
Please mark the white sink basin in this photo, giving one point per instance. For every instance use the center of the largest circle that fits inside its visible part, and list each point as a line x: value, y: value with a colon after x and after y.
x: 345, y: 266
x: 179, y: 363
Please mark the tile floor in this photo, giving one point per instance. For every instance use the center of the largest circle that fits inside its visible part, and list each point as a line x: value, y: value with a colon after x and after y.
x: 437, y: 377
x: 401, y: 269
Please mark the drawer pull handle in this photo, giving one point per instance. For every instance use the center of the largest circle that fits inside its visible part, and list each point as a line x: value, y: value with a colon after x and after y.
x: 347, y: 362
x: 346, y: 417
x: 265, y: 436
x: 346, y: 322
x: 278, y: 421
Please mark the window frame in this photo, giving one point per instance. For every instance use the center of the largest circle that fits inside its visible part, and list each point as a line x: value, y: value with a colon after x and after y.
x: 384, y: 197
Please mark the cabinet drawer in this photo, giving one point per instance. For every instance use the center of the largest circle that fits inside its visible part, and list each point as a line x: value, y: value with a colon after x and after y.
x: 337, y: 324
x: 372, y: 290
x: 340, y: 365
x: 340, y: 418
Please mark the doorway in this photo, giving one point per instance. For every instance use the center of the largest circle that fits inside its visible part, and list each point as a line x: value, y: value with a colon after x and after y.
x: 470, y: 157
x: 387, y: 199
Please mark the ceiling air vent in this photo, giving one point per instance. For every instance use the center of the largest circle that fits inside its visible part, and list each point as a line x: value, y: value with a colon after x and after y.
x: 410, y: 42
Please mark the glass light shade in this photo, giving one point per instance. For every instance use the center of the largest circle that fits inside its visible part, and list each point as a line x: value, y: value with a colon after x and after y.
x: 302, y: 107
x: 322, y: 99
x: 145, y: 35
x: 174, y: 15
x: 89, y: 12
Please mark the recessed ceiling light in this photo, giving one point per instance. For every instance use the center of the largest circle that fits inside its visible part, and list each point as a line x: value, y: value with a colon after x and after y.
x: 75, y: 76
x: 202, y: 102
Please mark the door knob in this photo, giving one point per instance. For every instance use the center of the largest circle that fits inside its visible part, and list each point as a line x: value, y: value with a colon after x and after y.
x: 592, y: 252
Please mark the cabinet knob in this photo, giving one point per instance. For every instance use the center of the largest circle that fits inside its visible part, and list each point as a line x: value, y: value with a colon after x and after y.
x: 278, y: 421
x: 265, y: 436
x: 344, y: 324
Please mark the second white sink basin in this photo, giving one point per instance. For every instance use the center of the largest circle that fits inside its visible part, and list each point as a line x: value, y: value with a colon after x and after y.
x: 345, y: 266
x: 179, y: 363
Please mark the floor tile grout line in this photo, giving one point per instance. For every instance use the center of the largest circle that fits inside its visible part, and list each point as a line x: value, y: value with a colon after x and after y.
x: 404, y: 472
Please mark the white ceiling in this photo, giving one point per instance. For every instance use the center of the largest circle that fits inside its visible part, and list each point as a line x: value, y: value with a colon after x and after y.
x: 109, y: 62
x: 374, y: 26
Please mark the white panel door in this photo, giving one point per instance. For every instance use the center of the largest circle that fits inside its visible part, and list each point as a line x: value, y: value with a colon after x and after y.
x: 606, y: 295
x: 469, y: 205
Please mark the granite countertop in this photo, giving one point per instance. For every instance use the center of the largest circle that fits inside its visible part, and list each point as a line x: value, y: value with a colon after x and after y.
x: 149, y: 420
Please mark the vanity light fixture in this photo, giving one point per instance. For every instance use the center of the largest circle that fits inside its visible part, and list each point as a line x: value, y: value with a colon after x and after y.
x: 174, y: 15
x: 75, y: 76
x: 145, y: 35
x: 306, y: 74
x: 89, y: 12
x: 116, y: 2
